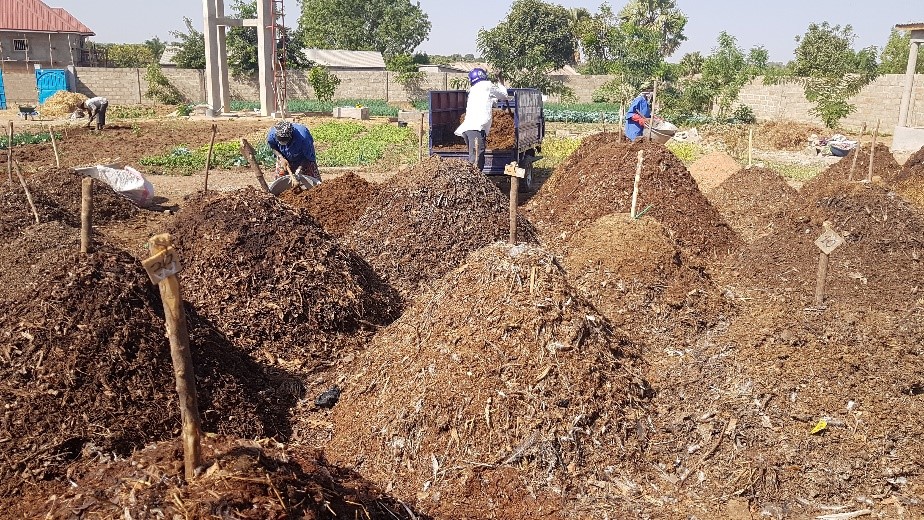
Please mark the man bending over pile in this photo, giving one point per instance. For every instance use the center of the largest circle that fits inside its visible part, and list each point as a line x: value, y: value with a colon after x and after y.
x: 293, y: 147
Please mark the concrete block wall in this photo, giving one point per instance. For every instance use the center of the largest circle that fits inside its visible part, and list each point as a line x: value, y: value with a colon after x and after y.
x: 19, y: 87
x: 878, y: 100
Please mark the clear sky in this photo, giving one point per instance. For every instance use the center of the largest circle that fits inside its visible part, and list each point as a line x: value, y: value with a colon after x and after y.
x: 771, y: 23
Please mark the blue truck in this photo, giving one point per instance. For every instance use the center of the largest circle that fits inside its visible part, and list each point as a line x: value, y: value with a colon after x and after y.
x: 448, y: 106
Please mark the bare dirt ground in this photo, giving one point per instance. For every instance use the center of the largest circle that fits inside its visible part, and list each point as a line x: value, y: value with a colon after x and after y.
x: 659, y: 367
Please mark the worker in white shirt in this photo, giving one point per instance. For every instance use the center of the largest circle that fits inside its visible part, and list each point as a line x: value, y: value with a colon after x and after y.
x: 96, y: 107
x: 478, y: 113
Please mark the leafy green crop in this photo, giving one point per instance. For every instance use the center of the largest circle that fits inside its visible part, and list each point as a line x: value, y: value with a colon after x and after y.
x: 376, y: 107
x: 131, y: 112
x: 28, y: 138
x: 340, y: 144
x: 582, y: 112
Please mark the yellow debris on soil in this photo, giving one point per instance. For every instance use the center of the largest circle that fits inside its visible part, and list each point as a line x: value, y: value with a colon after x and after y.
x: 62, y: 103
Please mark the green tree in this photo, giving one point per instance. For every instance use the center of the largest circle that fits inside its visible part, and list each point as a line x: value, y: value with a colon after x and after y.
x: 661, y: 17
x: 391, y: 27
x: 324, y: 83
x: 830, y: 70
x: 159, y: 87
x: 630, y: 47
x: 157, y: 46
x: 532, y: 41
x: 728, y: 69
x: 894, y: 57
x: 190, y: 47
x: 243, y: 54
x: 129, y: 55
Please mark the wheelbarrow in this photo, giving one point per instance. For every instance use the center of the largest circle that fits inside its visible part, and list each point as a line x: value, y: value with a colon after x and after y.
x: 26, y: 111
x: 280, y: 185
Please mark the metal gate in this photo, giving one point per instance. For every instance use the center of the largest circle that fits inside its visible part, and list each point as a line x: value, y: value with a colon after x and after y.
x: 49, y: 81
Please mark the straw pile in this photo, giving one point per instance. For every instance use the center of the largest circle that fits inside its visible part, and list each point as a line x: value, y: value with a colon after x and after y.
x: 62, y: 103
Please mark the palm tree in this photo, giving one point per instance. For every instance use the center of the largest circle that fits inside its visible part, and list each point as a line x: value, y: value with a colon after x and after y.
x: 578, y: 17
x: 660, y: 15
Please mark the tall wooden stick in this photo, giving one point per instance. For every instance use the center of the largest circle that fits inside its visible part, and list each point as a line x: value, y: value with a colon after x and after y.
x: 514, y: 202
x: 247, y: 151
x: 750, y: 146
x: 163, y: 258
x: 856, y: 153
x: 54, y: 146
x: 872, y: 151
x: 86, y: 213
x: 654, y: 97
x: 420, y: 139
x: 28, y: 193
x: 822, y: 275
x: 208, y: 159
x: 9, y: 153
x: 638, y: 178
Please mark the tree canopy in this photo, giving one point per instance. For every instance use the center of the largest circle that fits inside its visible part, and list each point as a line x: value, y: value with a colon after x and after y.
x: 392, y: 27
x: 533, y: 40
x: 894, y: 57
x: 190, y: 47
x: 243, y: 55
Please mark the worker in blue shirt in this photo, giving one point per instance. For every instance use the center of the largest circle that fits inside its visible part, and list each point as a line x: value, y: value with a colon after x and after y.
x: 293, y: 147
x: 638, y: 115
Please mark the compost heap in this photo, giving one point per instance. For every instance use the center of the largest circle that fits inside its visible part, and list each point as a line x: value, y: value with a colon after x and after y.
x: 502, y: 135
x: 426, y: 221
x: 910, y: 181
x: 634, y: 274
x: 244, y: 480
x: 739, y: 416
x: 599, y: 181
x: 274, y: 282
x: 884, y: 166
x: 503, y: 374
x: 86, y: 367
x: 712, y: 169
x: 335, y: 204
x: 752, y: 201
x: 56, y: 195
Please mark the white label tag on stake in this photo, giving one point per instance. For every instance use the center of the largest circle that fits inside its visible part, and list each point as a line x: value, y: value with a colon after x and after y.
x: 829, y: 241
x: 162, y: 265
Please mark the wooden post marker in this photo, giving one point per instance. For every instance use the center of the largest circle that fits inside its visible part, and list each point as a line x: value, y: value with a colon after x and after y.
x: 515, y: 173
x: 622, y: 121
x: 750, y: 147
x: 208, y: 158
x: 162, y: 268
x: 9, y: 153
x: 420, y: 135
x: 54, y: 146
x: 872, y: 151
x: 827, y: 242
x: 638, y: 178
x: 856, y: 153
x: 247, y: 151
x: 28, y: 193
x: 86, y: 214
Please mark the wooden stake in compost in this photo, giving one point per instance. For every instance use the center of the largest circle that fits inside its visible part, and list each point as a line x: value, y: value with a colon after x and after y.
x: 54, y: 146
x: 872, y: 151
x: 208, y: 158
x: 638, y: 178
x: 86, y: 213
x: 654, y: 98
x: 420, y: 139
x: 622, y: 119
x: 750, y: 147
x: 162, y: 268
x: 827, y: 242
x: 515, y: 173
x: 856, y: 153
x: 9, y: 153
x: 247, y: 151
x: 28, y: 193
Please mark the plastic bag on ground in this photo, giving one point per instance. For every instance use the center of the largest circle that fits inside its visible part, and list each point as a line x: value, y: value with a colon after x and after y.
x: 128, y: 182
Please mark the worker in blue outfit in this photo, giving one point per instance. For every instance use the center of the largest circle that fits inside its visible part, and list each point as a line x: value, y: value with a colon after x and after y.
x: 479, y: 112
x: 293, y: 147
x: 638, y: 115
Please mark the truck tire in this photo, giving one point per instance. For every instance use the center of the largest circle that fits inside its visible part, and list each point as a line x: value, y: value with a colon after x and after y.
x: 526, y: 183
